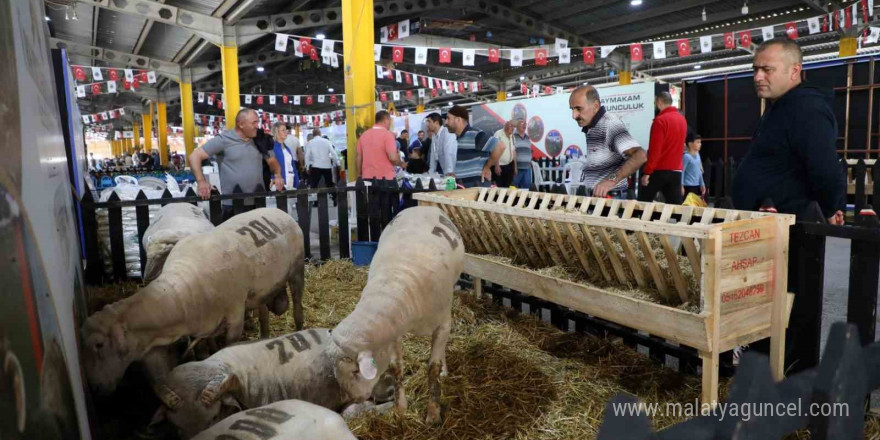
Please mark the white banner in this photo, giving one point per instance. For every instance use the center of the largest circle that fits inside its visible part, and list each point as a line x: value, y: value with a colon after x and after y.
x: 96, y: 74
x: 549, y: 124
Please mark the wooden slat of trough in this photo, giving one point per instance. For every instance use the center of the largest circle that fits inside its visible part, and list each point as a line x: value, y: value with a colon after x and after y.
x: 473, y: 236
x: 544, y: 201
x: 611, y: 251
x: 525, y: 202
x: 672, y: 258
x: 576, y: 243
x: 627, y: 248
x: 514, y: 235
x: 673, y: 324
x: 650, y: 259
x: 690, y: 248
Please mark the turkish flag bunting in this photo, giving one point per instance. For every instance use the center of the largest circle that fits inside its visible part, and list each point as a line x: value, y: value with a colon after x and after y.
x: 383, y: 96
x: 524, y: 89
x: 409, y: 94
x: 424, y: 82
x: 220, y: 103
x: 259, y: 100
x: 494, y: 56
x: 684, y: 47
x: 96, y: 89
x: 436, y: 83
x: 284, y: 99
x: 745, y: 38
x: 433, y: 93
x: 865, y: 16
x: 313, y: 53
x: 824, y: 23
x: 408, y: 78
x: 635, y: 52
x: 309, y: 100
x: 541, y: 57
x: 113, y: 74
x: 463, y: 87
x: 849, y: 17
x: 125, y: 84
x: 791, y: 30
x: 304, y: 44
x: 548, y: 90
x: 135, y: 82
x: 445, y: 55
x: 589, y: 55
x: 332, y: 99
x: 836, y: 20
x: 79, y: 73
x: 392, y: 32
x: 397, y: 54
x: 729, y: 41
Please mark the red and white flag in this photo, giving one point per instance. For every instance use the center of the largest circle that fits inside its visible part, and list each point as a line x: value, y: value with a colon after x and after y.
x: 96, y: 89
x: 113, y: 74
x: 729, y: 41
x: 310, y: 100
x: 392, y: 32
x: 684, y: 47
x: 445, y: 55
x: 79, y: 73
x: 304, y: 44
x: 494, y: 55
x: 541, y: 57
x: 791, y: 30
x: 397, y: 54
x: 745, y: 39
x: 635, y: 52
x: 589, y: 55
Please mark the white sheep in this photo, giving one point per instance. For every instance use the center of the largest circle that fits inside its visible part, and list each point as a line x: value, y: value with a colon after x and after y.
x: 172, y: 223
x: 409, y: 291
x: 284, y: 420
x: 196, y: 395
x: 208, y: 283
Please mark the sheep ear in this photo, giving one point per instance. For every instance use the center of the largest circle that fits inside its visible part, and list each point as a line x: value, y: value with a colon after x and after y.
x: 367, y: 365
x: 167, y: 396
x: 218, y: 387
x: 117, y: 334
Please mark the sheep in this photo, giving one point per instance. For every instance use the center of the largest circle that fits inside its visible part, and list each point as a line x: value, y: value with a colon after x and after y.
x: 195, y: 395
x: 409, y: 291
x: 208, y: 283
x: 172, y: 223
x: 287, y: 419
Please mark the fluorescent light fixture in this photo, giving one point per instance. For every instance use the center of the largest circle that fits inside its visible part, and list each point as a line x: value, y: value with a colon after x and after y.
x: 698, y: 67
x: 330, y: 90
x: 636, y: 2
x: 48, y: 19
x: 260, y: 68
x: 320, y: 36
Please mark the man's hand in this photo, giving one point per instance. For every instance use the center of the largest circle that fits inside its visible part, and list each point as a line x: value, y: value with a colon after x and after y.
x: 601, y: 189
x: 204, y: 190
x: 646, y: 178
x: 836, y: 219
x: 703, y: 191
x: 498, y: 169
x: 683, y: 191
x: 279, y: 184
x: 487, y: 174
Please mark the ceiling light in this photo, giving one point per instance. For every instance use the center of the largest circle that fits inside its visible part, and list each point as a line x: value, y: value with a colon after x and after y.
x: 320, y: 36
x: 74, y: 17
x: 522, y: 78
x: 704, y: 13
x: 67, y: 13
x: 698, y: 67
x: 48, y: 19
x: 636, y: 2
x: 330, y: 90
x: 260, y: 69
x: 745, y: 9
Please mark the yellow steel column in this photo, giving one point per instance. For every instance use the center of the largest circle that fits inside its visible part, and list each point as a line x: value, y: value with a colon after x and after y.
x: 848, y: 47
x: 162, y: 131
x: 501, y: 95
x: 626, y: 78
x: 229, y: 60
x: 360, y: 76
x: 148, y: 129
x: 114, y: 145
x: 186, y: 107
x: 127, y: 145
x: 134, y: 135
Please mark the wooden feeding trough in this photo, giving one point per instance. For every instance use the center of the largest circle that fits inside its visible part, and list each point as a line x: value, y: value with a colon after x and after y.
x: 729, y: 266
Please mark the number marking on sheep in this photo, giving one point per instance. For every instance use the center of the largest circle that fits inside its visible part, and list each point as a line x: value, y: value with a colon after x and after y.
x: 440, y: 232
x: 297, y: 341
x: 264, y: 230
x: 262, y: 431
x: 270, y: 415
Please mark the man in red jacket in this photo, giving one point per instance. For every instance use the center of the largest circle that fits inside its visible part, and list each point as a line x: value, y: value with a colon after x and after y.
x: 662, y: 172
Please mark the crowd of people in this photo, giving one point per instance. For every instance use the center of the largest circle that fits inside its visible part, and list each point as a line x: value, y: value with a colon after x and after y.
x: 792, y: 160
x: 136, y: 159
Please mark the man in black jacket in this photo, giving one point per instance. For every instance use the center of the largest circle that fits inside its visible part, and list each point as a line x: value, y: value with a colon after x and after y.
x: 793, y: 155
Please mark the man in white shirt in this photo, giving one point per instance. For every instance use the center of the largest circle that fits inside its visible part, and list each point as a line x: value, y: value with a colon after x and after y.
x: 320, y: 160
x: 444, y: 146
x: 505, y: 169
x: 293, y: 143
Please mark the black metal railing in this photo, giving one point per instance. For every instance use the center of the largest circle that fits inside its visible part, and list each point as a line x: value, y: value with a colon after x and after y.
x: 376, y: 205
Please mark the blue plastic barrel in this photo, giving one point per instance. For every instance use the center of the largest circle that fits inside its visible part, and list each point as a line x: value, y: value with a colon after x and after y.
x: 362, y: 252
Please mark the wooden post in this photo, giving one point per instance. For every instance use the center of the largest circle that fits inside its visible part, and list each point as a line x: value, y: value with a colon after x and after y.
x: 478, y: 288
x: 779, y: 310
x: 711, y: 281
x: 342, y: 217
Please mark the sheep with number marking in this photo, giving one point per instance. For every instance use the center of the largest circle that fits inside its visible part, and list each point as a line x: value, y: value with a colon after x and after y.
x: 287, y: 419
x: 208, y: 283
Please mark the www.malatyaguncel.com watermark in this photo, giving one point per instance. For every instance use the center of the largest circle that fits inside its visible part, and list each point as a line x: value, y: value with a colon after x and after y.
x: 744, y: 411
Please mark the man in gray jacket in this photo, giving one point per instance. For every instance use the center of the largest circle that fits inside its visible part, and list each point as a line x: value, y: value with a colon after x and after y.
x: 240, y: 161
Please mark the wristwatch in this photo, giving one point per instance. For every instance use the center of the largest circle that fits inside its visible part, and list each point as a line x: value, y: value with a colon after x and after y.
x: 613, y: 178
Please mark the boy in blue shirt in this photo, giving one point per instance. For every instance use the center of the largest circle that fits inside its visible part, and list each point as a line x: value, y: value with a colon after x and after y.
x: 692, y: 173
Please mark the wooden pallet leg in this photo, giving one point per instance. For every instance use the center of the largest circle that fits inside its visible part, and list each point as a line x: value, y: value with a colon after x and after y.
x: 710, y: 377
x: 478, y: 288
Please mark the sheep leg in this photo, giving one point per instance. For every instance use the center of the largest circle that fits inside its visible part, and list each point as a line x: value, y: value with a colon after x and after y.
x: 436, y: 365
x: 297, y: 285
x: 234, y: 331
x: 264, y: 321
x: 396, y: 367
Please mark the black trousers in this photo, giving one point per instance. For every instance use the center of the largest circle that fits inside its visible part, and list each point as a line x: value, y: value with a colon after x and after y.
x: 228, y: 213
x: 692, y: 189
x: 667, y: 183
x: 505, y: 179
x: 316, y: 174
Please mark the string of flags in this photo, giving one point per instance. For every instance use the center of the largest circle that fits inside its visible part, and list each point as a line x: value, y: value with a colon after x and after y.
x: 131, y: 80
x: 103, y: 116
x: 848, y: 17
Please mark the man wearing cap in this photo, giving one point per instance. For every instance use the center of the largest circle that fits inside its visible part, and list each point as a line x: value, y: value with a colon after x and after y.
x: 477, y: 150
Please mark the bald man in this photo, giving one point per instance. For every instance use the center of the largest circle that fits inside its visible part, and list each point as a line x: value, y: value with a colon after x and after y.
x: 612, y: 154
x: 240, y: 161
x: 793, y: 155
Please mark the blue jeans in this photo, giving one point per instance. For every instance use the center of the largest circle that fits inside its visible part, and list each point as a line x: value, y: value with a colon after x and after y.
x: 523, y: 178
